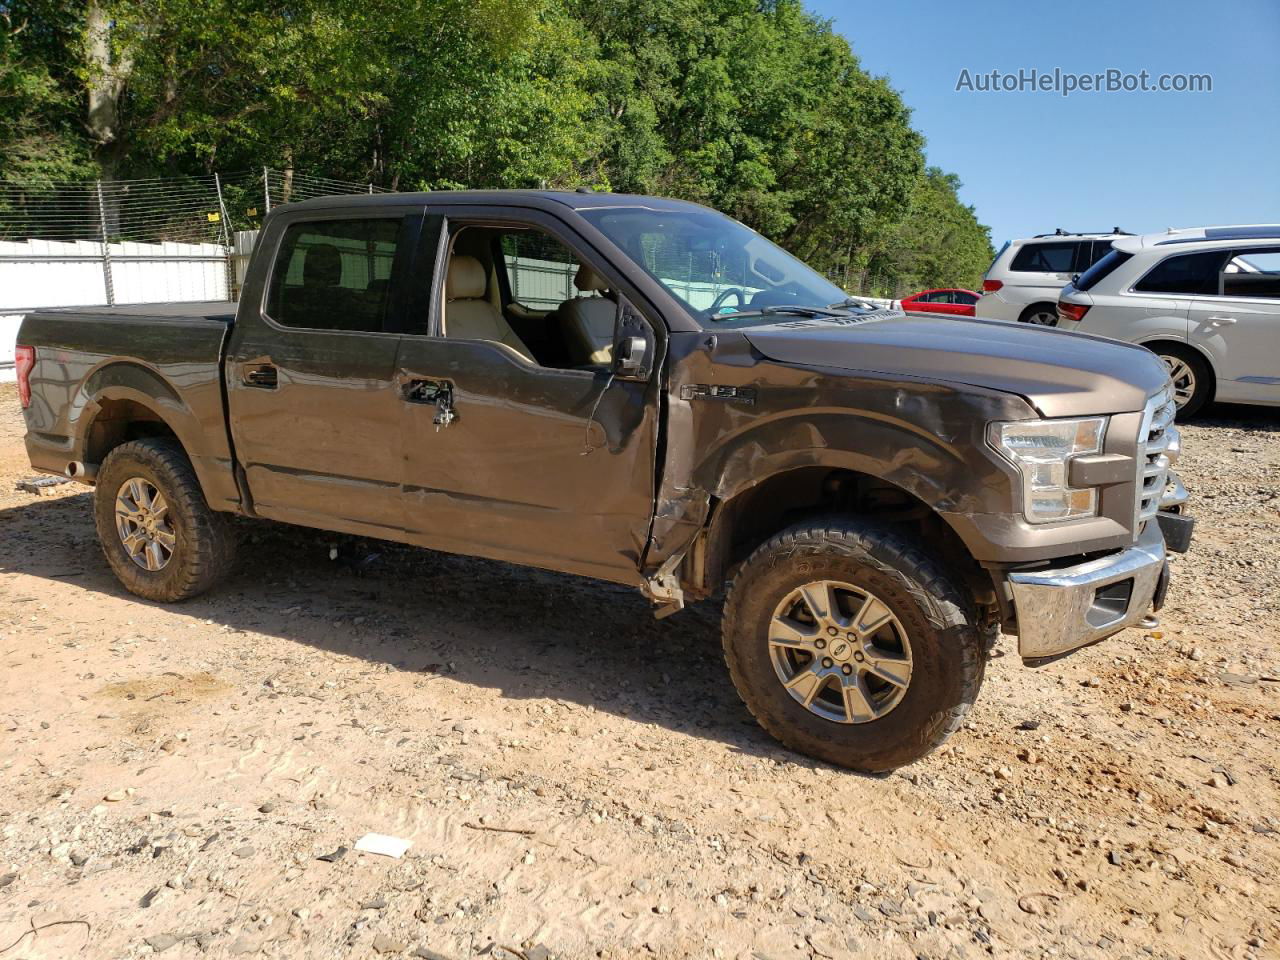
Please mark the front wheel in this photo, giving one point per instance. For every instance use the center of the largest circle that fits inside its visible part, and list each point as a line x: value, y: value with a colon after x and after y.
x: 158, y: 533
x: 850, y: 645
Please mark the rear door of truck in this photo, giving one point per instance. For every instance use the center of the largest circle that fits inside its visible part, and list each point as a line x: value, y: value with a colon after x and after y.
x: 313, y: 399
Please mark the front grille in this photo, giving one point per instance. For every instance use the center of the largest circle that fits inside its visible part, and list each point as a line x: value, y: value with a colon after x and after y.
x: 1158, y: 445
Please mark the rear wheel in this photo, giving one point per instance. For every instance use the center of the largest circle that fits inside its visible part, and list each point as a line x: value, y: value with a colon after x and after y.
x: 158, y: 533
x: 1040, y: 314
x: 848, y: 644
x: 1192, y: 379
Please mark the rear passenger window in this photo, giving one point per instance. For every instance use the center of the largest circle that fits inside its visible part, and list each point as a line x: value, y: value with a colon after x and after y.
x: 334, y: 275
x: 1045, y: 258
x: 1189, y: 273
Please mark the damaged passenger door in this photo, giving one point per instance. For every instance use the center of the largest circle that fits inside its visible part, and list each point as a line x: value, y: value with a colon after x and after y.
x: 511, y: 455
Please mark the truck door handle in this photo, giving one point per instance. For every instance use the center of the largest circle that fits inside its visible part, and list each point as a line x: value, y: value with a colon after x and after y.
x: 433, y: 392
x: 1221, y: 321
x: 261, y: 375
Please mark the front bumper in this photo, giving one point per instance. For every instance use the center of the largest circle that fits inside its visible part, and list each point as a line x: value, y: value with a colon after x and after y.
x: 1065, y: 608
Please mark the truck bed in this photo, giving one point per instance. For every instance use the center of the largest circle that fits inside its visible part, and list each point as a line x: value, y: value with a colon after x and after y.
x: 92, y: 363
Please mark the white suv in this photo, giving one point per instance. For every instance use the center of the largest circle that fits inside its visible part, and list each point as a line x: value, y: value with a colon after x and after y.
x: 1024, y: 279
x: 1206, y: 300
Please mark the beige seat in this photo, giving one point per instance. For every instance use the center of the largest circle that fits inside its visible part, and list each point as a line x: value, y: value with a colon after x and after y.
x: 468, y: 315
x: 589, y: 320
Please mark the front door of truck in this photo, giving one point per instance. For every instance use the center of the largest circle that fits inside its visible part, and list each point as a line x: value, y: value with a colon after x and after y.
x: 518, y: 445
x: 311, y: 373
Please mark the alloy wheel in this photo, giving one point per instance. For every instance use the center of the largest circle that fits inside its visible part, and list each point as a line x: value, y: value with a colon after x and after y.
x: 144, y: 526
x: 1183, y: 377
x: 840, y: 652
x: 1043, y: 318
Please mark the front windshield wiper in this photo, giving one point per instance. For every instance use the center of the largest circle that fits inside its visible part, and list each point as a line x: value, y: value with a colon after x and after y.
x: 782, y: 308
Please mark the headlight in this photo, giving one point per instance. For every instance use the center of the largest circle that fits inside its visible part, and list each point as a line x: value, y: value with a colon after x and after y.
x: 1042, y: 451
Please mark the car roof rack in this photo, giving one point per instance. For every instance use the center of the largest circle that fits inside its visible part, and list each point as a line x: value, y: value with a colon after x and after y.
x: 1116, y: 231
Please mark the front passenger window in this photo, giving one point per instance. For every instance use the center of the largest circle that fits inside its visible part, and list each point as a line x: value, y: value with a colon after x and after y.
x: 523, y: 287
x: 334, y: 274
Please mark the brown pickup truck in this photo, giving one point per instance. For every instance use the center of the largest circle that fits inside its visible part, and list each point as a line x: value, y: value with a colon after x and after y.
x: 642, y: 391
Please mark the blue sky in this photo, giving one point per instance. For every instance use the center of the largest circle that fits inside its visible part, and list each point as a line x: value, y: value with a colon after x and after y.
x: 1032, y: 162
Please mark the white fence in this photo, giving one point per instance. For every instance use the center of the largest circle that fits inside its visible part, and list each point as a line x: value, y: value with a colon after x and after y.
x: 52, y: 273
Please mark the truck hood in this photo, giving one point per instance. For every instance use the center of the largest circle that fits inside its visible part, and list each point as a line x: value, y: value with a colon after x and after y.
x: 1061, y: 374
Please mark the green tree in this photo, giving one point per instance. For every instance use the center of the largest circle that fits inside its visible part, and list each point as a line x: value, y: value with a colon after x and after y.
x: 40, y: 136
x: 755, y: 107
x: 939, y: 243
x: 758, y: 109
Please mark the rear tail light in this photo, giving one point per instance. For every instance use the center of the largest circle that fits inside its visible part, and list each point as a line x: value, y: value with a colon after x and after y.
x: 25, y: 358
x: 1071, y: 311
x: 991, y: 286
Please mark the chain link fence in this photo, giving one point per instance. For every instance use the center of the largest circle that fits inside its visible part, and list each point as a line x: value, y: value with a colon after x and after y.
x: 134, y: 241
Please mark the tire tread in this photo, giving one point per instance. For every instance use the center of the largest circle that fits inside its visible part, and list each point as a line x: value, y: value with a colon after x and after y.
x: 943, y: 604
x: 209, y: 534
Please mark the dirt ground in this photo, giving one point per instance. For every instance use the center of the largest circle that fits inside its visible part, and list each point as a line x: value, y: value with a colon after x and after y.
x: 579, y: 780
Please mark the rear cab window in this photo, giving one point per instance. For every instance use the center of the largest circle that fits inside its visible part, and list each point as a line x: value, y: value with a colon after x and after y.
x: 334, y: 274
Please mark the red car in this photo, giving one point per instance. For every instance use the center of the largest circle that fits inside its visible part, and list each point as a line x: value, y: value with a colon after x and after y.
x: 952, y: 300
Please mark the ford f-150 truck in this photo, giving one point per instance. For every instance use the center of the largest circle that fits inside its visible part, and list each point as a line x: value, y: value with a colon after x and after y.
x: 882, y: 494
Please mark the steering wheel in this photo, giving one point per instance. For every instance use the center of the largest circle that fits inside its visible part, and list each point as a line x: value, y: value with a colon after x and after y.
x: 725, y: 295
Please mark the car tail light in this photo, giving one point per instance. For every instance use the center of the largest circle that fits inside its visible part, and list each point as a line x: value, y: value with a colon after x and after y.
x: 1071, y: 311
x: 25, y: 358
x: 991, y: 286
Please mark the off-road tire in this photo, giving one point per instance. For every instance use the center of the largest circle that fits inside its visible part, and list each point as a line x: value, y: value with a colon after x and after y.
x: 1035, y: 309
x: 948, y: 647
x: 206, y: 543
x: 1200, y: 370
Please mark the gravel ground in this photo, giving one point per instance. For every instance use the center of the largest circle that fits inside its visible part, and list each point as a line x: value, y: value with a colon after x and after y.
x: 579, y: 780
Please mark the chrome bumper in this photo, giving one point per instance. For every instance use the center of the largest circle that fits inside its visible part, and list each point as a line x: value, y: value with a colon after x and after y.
x: 1060, y: 610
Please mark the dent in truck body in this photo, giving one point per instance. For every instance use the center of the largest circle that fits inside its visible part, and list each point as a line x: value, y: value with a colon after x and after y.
x: 925, y: 437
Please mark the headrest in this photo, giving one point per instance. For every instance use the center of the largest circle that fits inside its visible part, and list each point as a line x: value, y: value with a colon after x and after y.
x: 322, y: 266
x: 587, y: 280
x: 466, y: 279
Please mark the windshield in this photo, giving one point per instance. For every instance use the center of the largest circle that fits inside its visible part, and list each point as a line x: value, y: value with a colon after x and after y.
x: 725, y: 273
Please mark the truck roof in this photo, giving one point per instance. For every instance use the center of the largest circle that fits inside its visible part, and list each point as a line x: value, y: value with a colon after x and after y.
x: 577, y: 200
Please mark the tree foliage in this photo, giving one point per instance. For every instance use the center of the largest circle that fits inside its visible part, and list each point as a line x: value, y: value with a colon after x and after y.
x: 755, y: 107
x: 939, y: 243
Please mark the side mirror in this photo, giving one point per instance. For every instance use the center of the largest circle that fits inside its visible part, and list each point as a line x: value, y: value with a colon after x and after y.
x: 631, y: 351
x: 633, y: 344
